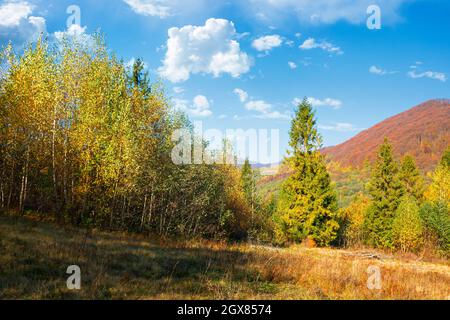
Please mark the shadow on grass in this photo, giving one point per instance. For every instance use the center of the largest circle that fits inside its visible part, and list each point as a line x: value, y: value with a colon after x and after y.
x: 35, y: 258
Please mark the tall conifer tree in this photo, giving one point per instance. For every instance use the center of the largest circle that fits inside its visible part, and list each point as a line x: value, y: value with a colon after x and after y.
x: 307, y: 202
x: 386, y: 190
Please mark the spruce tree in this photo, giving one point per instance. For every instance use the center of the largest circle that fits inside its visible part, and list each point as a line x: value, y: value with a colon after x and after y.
x: 139, y: 77
x: 308, y: 204
x: 386, y: 190
x: 411, y: 178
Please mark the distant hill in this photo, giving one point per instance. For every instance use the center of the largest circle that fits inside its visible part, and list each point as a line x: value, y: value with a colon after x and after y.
x: 423, y: 132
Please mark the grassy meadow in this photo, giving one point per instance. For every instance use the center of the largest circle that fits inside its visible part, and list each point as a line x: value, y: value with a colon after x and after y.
x: 35, y: 255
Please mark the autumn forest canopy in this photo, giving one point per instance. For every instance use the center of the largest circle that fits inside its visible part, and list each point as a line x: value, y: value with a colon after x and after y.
x: 87, y: 141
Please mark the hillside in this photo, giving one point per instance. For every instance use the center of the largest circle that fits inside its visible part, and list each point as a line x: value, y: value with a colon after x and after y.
x: 35, y: 255
x: 422, y: 131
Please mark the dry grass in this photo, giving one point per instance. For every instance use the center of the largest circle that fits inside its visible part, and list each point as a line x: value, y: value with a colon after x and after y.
x: 34, y: 257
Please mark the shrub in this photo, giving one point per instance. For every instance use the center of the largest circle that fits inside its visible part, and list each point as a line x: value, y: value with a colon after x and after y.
x: 436, y: 218
x: 407, y: 228
x: 439, y: 190
x: 352, y: 222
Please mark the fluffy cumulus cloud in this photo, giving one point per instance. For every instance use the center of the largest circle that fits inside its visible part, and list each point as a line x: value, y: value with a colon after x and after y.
x: 292, y: 65
x: 243, y: 95
x: 76, y: 31
x: 12, y: 13
x: 326, y: 11
x: 210, y: 49
x: 311, y: 43
x: 428, y: 74
x: 341, y: 127
x: 328, y: 102
x: 199, y: 107
x: 267, y: 43
x: 79, y: 35
x: 17, y: 22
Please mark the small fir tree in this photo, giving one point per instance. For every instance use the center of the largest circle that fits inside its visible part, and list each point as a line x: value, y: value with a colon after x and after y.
x: 411, y: 178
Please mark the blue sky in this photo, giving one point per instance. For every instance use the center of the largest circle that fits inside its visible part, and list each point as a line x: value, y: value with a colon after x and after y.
x: 243, y: 63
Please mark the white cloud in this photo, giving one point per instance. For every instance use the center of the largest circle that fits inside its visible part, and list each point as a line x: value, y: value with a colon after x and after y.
x: 38, y: 22
x: 341, y: 127
x: 326, y: 11
x: 309, y: 11
x: 243, y: 35
x: 169, y: 8
x: 243, y: 96
x: 311, y: 43
x: 153, y: 8
x: 258, y: 105
x: 376, y: 70
x: 292, y: 65
x: 380, y: 71
x: 265, y: 110
x: 428, y: 74
x: 267, y: 43
x: 17, y: 23
x: 201, y: 103
x: 13, y: 13
x: 328, y: 102
x: 306, y: 62
x: 207, y: 49
x: 74, y: 30
x: 78, y: 33
x: 200, y: 106
x: 178, y: 90
x: 290, y: 43
x: 275, y: 115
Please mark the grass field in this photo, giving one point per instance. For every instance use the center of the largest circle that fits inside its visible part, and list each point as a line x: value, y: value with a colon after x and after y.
x: 34, y: 257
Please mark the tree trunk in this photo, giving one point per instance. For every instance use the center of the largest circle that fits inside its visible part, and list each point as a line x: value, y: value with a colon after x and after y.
x: 144, y: 209
x: 55, y: 191
x: 24, y: 185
